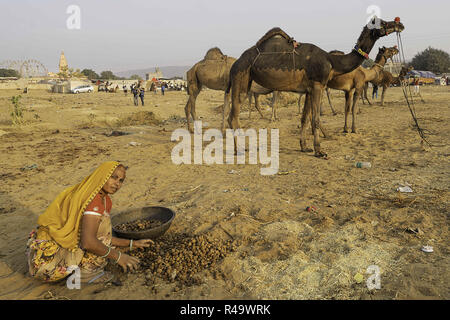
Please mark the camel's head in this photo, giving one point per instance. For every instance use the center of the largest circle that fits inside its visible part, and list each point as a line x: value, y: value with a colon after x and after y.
x: 388, y: 53
x: 384, y: 54
x: 383, y: 28
x: 374, y: 30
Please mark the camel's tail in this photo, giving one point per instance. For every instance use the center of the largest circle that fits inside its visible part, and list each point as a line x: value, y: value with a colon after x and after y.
x: 227, y: 91
x: 192, y: 81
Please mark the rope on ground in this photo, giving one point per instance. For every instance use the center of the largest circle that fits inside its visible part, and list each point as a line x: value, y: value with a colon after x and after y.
x: 406, y: 87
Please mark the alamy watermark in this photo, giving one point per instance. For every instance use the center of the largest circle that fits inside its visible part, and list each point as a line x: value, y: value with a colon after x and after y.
x: 373, y: 21
x: 374, y: 281
x: 213, y: 153
x: 73, y: 22
x: 74, y: 280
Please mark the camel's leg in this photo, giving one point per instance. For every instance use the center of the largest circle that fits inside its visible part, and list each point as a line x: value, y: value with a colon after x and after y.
x: 188, y: 110
x: 240, y: 84
x: 275, y: 96
x: 348, y: 101
x: 382, y: 95
x: 355, y: 108
x: 329, y: 102
x: 366, y: 88
x: 325, y: 134
x: 299, y: 103
x: 250, y: 94
x: 257, y: 107
x: 305, y: 116
x: 226, y: 110
x: 316, y: 96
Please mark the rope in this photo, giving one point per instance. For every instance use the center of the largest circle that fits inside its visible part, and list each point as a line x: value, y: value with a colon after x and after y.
x: 406, y: 87
x: 282, y: 52
x: 293, y: 52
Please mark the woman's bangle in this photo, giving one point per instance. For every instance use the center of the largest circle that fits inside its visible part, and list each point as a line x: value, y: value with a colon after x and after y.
x: 107, y: 253
x: 131, y: 244
x: 118, y: 258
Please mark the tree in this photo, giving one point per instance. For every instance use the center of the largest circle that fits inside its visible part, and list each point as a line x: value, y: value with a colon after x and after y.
x: 135, y: 77
x: 432, y: 59
x: 107, y: 75
x: 9, y: 73
x: 91, y: 74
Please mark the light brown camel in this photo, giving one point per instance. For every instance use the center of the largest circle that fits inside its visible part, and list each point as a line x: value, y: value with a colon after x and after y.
x: 279, y: 63
x: 385, y: 79
x: 213, y: 72
x: 353, y: 83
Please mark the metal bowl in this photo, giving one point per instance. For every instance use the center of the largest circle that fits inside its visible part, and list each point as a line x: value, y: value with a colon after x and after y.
x: 165, y: 215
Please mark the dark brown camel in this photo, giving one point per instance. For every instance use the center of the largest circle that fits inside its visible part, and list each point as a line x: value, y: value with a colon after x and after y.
x: 279, y: 63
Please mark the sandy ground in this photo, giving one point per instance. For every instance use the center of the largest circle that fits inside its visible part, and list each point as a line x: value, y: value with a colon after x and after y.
x: 286, y: 252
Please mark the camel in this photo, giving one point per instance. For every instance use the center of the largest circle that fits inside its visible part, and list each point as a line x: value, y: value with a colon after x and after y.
x: 386, y: 79
x: 213, y: 72
x: 279, y: 63
x: 353, y: 83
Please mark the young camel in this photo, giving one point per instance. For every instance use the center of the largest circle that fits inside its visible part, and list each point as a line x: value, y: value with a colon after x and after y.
x: 352, y: 83
x: 279, y: 63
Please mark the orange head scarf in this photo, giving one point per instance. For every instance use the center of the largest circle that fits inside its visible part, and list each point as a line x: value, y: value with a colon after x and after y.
x: 61, y: 221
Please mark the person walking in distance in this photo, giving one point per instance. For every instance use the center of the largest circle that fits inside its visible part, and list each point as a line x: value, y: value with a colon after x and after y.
x: 141, y: 95
x: 416, y: 86
x: 375, y: 92
x: 135, y: 92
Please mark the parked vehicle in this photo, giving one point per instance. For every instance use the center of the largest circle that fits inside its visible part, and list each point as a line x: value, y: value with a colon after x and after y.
x: 83, y: 88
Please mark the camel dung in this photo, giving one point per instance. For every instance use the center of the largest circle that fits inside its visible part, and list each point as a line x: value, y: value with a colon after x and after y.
x: 139, y: 225
x: 180, y: 257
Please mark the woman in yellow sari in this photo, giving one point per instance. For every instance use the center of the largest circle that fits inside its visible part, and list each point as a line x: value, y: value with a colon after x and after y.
x: 75, y: 231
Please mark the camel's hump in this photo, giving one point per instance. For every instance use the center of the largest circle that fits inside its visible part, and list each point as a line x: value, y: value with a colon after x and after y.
x: 337, y: 52
x: 214, y: 54
x: 274, y: 32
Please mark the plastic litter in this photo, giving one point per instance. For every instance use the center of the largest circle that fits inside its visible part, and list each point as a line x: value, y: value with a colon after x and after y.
x: 405, y: 189
x: 427, y: 249
x: 33, y: 166
x: 365, y: 165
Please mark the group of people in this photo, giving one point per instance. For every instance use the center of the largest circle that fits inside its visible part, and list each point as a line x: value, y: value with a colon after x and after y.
x: 138, y: 92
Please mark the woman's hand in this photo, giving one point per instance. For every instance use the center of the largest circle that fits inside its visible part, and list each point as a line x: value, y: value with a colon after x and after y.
x: 128, y: 262
x: 143, y: 243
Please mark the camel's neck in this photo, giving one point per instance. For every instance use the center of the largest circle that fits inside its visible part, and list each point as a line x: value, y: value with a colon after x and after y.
x: 349, y: 62
x: 375, y: 70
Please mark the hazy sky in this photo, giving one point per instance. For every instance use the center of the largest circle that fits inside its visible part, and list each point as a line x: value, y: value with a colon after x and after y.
x: 133, y: 34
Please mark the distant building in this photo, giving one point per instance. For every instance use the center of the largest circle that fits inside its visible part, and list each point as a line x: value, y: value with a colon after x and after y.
x: 63, y: 62
x: 154, y: 75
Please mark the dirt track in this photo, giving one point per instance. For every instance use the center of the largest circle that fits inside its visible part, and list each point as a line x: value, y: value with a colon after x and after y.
x: 286, y: 252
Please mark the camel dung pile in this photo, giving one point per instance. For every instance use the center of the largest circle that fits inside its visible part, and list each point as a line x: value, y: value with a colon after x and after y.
x: 139, y: 225
x: 180, y: 257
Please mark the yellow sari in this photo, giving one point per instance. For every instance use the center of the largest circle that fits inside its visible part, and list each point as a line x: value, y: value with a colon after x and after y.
x: 55, y: 246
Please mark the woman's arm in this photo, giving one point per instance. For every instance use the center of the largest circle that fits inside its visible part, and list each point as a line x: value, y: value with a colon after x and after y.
x: 90, y: 243
x: 120, y: 242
